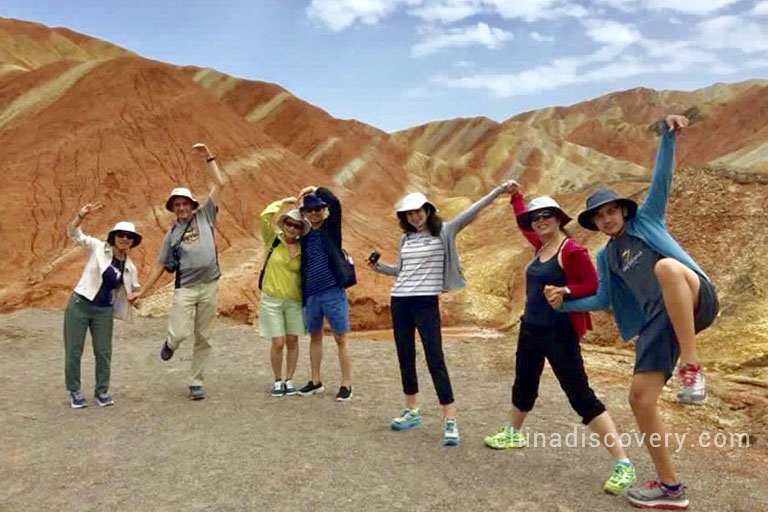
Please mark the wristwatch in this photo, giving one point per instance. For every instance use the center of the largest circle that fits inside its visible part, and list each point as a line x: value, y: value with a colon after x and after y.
x: 567, y: 291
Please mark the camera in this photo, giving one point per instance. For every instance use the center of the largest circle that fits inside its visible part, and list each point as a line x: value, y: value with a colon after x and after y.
x: 374, y: 257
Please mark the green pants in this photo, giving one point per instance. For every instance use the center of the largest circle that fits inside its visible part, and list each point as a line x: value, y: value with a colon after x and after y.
x: 80, y: 316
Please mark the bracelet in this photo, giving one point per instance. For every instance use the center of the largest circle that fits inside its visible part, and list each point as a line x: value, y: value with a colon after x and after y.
x: 210, y: 158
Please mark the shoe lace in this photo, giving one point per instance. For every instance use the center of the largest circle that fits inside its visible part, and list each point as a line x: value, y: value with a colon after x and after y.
x: 652, y: 485
x: 688, y: 374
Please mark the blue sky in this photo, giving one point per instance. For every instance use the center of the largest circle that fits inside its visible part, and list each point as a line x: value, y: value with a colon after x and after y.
x: 400, y: 63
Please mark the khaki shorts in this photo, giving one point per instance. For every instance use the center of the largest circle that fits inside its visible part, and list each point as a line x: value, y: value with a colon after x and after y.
x: 280, y: 317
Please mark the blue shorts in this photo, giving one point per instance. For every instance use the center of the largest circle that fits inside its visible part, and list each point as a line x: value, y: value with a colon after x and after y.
x: 330, y: 304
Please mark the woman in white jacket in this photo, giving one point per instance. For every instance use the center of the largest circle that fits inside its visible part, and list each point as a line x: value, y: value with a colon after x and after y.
x: 100, y: 295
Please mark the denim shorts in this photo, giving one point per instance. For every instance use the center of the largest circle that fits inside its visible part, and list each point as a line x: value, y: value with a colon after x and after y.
x: 330, y: 304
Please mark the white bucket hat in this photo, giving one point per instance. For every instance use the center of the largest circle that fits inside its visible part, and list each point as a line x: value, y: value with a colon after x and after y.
x: 538, y: 204
x: 127, y: 227
x: 180, y: 192
x: 294, y: 215
x: 414, y: 201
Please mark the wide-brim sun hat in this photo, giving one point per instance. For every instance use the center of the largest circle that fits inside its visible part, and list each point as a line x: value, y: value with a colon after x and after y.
x: 538, y: 204
x: 180, y: 192
x: 127, y: 227
x: 296, y: 216
x: 599, y: 198
x: 413, y: 201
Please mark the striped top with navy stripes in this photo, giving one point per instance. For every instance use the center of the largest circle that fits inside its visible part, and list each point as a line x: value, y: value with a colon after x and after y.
x: 319, y: 274
x: 421, y: 273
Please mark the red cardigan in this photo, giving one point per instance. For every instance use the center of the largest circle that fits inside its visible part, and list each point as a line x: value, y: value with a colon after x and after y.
x: 580, y: 273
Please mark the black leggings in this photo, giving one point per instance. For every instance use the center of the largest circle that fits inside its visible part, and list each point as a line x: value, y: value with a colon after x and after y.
x: 560, y: 346
x: 422, y: 313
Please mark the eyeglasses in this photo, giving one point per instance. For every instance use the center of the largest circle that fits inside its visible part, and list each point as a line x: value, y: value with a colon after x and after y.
x: 312, y: 209
x: 298, y: 227
x: 123, y: 234
x: 546, y: 214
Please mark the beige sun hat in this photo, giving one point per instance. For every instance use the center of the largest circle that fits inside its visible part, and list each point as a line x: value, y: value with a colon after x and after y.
x: 294, y: 215
x: 180, y: 192
x: 127, y: 227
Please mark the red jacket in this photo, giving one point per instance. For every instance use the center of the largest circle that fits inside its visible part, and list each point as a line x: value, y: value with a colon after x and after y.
x: 580, y: 273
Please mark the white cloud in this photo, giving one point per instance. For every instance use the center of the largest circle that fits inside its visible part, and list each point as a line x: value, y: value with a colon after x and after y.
x: 726, y: 32
x: 756, y: 64
x: 612, y: 33
x: 476, y: 35
x: 340, y: 14
x: 675, y: 21
x: 542, y: 38
x: 694, y: 7
x: 760, y: 9
x: 463, y: 64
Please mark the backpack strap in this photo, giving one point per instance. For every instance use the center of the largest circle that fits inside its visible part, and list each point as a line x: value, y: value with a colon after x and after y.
x: 275, y: 243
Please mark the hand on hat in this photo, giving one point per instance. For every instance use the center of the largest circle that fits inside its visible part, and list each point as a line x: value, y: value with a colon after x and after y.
x: 88, y: 208
x: 676, y: 122
x: 305, y: 192
x: 554, y: 295
x: 291, y: 201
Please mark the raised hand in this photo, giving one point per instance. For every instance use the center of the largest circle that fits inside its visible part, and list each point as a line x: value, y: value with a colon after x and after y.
x: 202, y: 150
x: 305, y: 192
x: 510, y: 186
x: 676, y: 122
x: 88, y: 208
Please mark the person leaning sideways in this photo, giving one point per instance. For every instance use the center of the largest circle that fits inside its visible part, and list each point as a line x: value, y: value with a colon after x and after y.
x: 548, y: 335
x: 100, y: 296
x: 281, y: 317
x: 189, y: 251
x: 428, y: 265
x: 658, y: 293
x: 325, y: 273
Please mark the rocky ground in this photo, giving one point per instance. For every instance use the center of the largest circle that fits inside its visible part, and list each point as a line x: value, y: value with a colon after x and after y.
x: 243, y: 450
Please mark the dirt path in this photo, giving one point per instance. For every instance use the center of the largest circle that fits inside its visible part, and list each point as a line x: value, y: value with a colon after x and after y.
x: 243, y: 450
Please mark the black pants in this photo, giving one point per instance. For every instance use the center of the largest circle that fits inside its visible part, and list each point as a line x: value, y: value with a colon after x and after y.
x: 560, y: 346
x: 422, y: 313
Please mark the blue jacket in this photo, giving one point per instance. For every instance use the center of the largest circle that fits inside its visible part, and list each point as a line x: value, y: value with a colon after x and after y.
x: 650, y: 226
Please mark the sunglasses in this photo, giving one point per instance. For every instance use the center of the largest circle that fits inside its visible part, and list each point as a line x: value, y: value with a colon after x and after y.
x: 123, y: 234
x: 546, y: 214
x: 312, y: 209
x: 293, y: 225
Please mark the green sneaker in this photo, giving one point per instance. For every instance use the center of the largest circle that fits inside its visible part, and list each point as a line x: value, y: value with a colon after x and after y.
x: 621, y: 479
x: 506, y: 438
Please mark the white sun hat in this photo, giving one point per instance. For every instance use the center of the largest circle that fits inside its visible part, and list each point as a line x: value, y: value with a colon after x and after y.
x: 296, y: 216
x: 538, y: 204
x: 414, y: 201
x: 127, y: 227
x: 180, y: 192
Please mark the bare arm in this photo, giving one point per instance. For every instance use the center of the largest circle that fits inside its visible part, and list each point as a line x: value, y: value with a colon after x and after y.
x: 213, y: 168
x: 73, y: 228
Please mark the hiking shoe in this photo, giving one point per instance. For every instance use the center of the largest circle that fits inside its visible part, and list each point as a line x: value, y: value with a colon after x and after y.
x: 506, y: 438
x: 344, y: 394
x: 288, y: 388
x: 103, y: 400
x: 451, y: 435
x: 409, y: 419
x: 657, y: 495
x: 278, y: 388
x: 77, y: 400
x: 622, y: 478
x: 692, y: 390
x: 166, y: 352
x: 312, y: 389
x: 197, y: 393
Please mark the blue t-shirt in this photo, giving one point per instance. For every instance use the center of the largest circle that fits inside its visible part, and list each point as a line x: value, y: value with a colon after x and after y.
x: 111, y: 278
x: 318, y: 272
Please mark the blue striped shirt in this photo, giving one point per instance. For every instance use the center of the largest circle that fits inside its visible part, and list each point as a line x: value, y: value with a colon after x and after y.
x: 318, y: 271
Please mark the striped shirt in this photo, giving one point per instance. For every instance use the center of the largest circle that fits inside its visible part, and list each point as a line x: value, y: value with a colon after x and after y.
x: 319, y: 275
x: 421, y: 273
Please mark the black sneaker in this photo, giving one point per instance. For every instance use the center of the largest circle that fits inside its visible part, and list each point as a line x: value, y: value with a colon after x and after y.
x: 197, y: 393
x: 76, y: 400
x: 166, y: 352
x: 344, y: 394
x: 312, y: 389
x: 103, y: 400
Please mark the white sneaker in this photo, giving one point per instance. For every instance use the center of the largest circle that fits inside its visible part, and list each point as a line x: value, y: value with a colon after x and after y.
x: 288, y: 388
x: 277, y: 389
x: 451, y: 435
x: 692, y: 386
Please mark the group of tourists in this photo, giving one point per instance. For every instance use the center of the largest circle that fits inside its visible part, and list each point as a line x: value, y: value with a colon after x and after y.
x: 659, y: 296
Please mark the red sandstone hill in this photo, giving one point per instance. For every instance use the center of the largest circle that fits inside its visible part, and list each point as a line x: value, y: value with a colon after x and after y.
x: 82, y: 120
